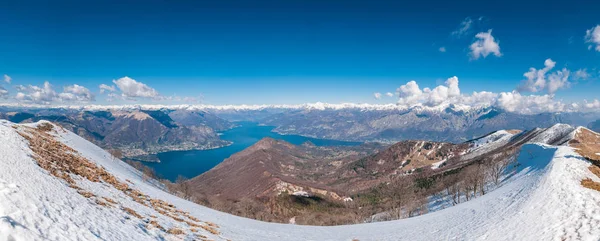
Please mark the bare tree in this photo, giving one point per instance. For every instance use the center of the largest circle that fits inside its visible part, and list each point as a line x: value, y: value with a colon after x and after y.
x: 116, y: 154
x: 184, y: 187
x: 400, y: 192
x: 497, y: 167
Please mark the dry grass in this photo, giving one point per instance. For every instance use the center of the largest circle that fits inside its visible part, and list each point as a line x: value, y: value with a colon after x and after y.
x: 595, y: 170
x: 587, y: 144
x: 45, y: 127
x: 175, y: 231
x: 212, y: 225
x: 86, y: 194
x: 65, y: 163
x: 101, y: 203
x: 589, y: 183
x: 210, y: 229
x: 110, y: 200
x: 191, y: 224
x: 132, y: 212
x: 154, y: 223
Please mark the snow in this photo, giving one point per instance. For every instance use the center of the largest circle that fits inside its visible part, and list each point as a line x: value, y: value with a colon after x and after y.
x: 493, y: 137
x: 488, y: 143
x: 301, y: 194
x: 542, y: 201
x: 559, y: 134
x: 437, y: 165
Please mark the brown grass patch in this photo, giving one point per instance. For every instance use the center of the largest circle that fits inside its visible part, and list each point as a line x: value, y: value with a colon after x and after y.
x: 191, y: 218
x: 210, y: 229
x: 45, y: 127
x: 101, y: 203
x: 110, y: 200
x: 595, y: 170
x: 86, y: 194
x: 587, y: 144
x: 175, y: 231
x: 132, y: 212
x: 589, y: 183
x: 191, y: 224
x: 212, y: 225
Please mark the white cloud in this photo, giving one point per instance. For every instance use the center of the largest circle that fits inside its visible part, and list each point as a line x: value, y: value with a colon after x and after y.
x: 377, y: 95
x: 592, y: 105
x: 411, y: 95
x: 76, y: 93
x: 36, y: 94
x: 592, y: 36
x: 132, y: 89
x: 529, y: 104
x: 389, y: 94
x: 539, y: 79
x: 107, y: 88
x: 485, y: 45
x: 3, y: 93
x: 558, y: 80
x: 581, y: 74
x: 46, y: 94
x: 7, y: 79
x: 442, y: 49
x: 112, y: 97
x: 464, y: 28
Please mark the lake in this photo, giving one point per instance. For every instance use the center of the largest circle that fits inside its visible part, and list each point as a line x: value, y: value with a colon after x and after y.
x: 193, y: 163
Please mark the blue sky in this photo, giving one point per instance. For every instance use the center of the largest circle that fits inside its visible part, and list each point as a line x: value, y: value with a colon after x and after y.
x: 291, y: 52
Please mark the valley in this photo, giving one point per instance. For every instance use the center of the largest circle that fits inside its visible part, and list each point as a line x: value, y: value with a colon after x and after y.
x: 193, y: 163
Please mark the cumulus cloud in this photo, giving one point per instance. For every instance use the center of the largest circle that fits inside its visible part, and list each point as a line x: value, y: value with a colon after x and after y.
x: 581, y: 74
x: 76, y: 93
x: 410, y: 95
x: 36, y: 94
x: 377, y: 95
x: 528, y: 104
x: 132, y: 89
x: 540, y: 79
x: 7, y: 78
x: 592, y: 105
x: 107, y: 88
x: 45, y: 94
x: 3, y: 93
x: 389, y: 94
x: 484, y: 46
x: 464, y: 28
x: 442, y: 49
x: 592, y: 36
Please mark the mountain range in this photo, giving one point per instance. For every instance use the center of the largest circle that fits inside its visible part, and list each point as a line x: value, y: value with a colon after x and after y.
x: 138, y: 134
x: 55, y: 185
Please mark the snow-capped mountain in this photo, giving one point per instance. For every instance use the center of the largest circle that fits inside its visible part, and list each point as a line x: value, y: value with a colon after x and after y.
x: 55, y: 185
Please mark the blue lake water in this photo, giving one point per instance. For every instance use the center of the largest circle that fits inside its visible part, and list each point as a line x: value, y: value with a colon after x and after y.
x: 193, y: 163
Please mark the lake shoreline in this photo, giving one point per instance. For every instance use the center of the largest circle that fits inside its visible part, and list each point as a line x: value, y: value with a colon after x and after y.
x: 191, y: 163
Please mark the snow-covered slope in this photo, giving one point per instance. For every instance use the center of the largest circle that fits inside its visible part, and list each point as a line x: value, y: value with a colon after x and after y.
x: 557, y: 135
x: 542, y: 201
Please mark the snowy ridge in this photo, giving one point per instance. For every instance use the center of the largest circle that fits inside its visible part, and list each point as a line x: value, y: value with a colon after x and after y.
x: 489, y: 142
x: 37, y: 206
x: 498, y: 136
x: 556, y: 135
